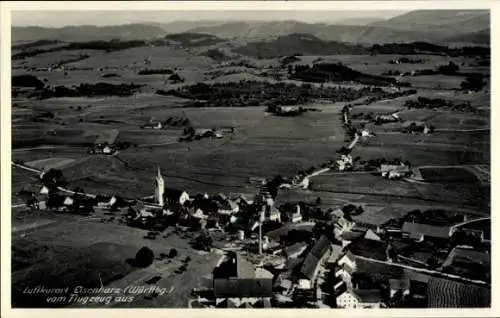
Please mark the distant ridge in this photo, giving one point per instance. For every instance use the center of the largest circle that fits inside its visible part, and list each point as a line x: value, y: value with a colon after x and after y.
x: 431, y: 26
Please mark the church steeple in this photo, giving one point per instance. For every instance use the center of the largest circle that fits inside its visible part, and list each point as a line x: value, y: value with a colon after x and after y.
x: 159, y: 187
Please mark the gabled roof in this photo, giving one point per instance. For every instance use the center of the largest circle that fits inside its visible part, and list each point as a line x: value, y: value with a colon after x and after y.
x: 446, y: 293
x: 295, y: 248
x: 336, y: 253
x: 351, y: 236
x: 426, y: 229
x: 309, y: 266
x: 369, y: 248
x: 244, y: 269
x: 367, y: 295
x: 370, y: 235
x: 399, y: 284
x: 346, y: 268
x: 321, y: 247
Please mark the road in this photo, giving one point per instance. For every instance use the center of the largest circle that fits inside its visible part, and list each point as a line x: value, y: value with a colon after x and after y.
x: 89, y: 195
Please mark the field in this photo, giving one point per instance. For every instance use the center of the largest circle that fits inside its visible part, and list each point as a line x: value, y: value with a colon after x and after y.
x: 448, y: 175
x: 57, y: 133
x: 76, y: 252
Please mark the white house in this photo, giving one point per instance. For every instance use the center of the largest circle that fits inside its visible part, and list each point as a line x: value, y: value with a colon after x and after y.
x: 345, y: 273
x: 304, y: 284
x: 399, y: 285
x: 370, y: 235
x: 183, y: 198
x: 296, y: 216
x: 348, y: 260
x: 68, y: 201
x: 305, y: 183
x: 44, y: 190
x: 198, y: 214
x: 360, y: 298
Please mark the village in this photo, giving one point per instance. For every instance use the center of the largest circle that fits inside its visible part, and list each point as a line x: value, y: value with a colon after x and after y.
x: 297, y: 254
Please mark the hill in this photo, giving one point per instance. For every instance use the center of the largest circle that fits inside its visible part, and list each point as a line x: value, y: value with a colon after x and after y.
x: 191, y: 39
x: 359, y: 21
x: 430, y: 26
x: 481, y: 37
x: 297, y: 43
x: 87, y: 33
x: 446, y: 22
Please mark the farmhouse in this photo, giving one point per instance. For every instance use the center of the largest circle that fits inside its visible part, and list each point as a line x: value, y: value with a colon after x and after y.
x: 370, y: 249
x: 360, y: 298
x: 344, y: 272
x: 236, y: 279
x: 394, y: 171
x: 399, y: 285
x: 104, y: 144
x: 419, y: 231
x: 416, y: 127
x: 318, y: 254
x: 296, y: 216
x: 348, y: 259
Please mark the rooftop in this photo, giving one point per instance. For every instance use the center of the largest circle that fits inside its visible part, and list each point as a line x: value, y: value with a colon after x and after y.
x: 367, y: 295
x: 446, y: 293
x: 426, y: 230
x: 399, y: 284
x: 295, y: 248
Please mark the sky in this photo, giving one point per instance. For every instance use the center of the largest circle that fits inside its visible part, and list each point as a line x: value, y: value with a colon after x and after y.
x: 101, y: 18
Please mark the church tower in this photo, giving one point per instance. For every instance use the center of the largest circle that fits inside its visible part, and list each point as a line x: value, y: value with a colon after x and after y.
x: 159, y: 188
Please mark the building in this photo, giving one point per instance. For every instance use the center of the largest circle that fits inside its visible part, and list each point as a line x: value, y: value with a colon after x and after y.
x: 235, y: 278
x: 399, y: 285
x: 296, y: 215
x: 348, y: 259
x: 394, y: 171
x: 419, y: 231
x: 319, y: 254
x: 360, y: 298
x: 159, y: 188
x: 378, y: 250
x: 344, y: 273
x: 295, y: 250
x: 348, y: 237
x: 342, y: 225
x: 370, y: 235
x: 335, y: 253
x: 447, y: 293
x: 228, y: 207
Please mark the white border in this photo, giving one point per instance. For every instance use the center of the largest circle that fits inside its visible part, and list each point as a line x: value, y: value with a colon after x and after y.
x: 7, y: 7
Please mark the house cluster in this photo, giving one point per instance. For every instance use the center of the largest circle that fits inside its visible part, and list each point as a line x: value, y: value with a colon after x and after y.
x: 417, y: 127
x: 105, y: 143
x: 386, y: 118
x: 394, y: 171
x: 200, y: 133
x: 203, y: 211
x: 237, y: 283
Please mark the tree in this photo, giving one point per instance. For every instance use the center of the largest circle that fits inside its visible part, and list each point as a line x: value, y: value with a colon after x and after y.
x: 203, y: 242
x: 450, y: 69
x: 173, y: 253
x: 144, y: 257
x: 473, y: 82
